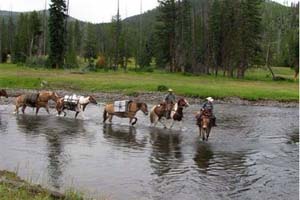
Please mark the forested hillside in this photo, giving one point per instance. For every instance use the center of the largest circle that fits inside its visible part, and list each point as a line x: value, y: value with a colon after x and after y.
x: 220, y: 37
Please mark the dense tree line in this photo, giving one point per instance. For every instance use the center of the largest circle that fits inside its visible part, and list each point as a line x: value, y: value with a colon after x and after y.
x: 197, y: 36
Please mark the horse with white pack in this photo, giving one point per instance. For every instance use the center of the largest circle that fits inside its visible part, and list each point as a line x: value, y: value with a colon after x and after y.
x: 74, y: 103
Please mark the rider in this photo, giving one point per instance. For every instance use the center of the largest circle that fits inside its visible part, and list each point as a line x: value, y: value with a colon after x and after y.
x: 170, y: 100
x: 208, y: 105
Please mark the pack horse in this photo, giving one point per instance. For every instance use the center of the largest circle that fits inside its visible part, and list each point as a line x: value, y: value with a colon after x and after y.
x: 35, y: 100
x: 74, y: 103
x: 124, y: 109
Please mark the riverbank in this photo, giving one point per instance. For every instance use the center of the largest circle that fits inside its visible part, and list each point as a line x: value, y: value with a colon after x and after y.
x: 257, y: 85
x: 13, y: 187
x: 150, y: 97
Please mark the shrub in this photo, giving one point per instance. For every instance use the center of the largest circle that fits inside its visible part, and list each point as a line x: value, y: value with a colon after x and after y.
x: 162, y: 88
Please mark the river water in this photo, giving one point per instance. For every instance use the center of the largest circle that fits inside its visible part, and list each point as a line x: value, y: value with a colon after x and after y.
x: 252, y: 154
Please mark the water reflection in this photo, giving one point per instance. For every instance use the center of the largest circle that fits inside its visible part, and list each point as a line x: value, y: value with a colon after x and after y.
x: 3, y: 125
x: 166, y: 151
x: 56, y: 131
x: 203, y: 155
x: 123, y: 136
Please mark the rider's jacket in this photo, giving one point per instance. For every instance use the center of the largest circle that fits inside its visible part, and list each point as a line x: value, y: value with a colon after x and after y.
x: 170, y: 98
x: 208, y: 106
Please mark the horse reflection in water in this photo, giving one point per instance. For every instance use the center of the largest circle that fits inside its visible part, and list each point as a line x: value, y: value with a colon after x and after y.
x: 35, y: 125
x: 166, y: 150
x: 203, y: 155
x: 123, y: 136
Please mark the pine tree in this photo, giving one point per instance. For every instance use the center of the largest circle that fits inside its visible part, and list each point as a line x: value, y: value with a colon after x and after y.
x: 90, y: 49
x: 78, y: 38
x: 71, y: 58
x: 35, y: 28
x: 166, y: 35
x: 57, y: 33
x: 250, y: 28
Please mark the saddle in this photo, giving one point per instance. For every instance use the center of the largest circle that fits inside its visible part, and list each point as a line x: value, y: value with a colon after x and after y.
x: 121, y: 106
x: 31, y: 99
x: 71, y: 102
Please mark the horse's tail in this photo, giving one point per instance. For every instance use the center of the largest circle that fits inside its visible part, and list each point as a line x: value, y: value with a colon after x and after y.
x: 104, y: 115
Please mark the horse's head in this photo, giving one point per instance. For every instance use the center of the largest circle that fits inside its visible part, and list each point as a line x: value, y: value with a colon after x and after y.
x: 92, y: 100
x: 205, y: 122
x: 183, y: 103
x: 143, y: 107
x: 53, y: 96
x: 3, y: 93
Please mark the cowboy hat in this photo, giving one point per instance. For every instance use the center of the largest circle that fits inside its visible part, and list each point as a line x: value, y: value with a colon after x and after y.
x: 170, y: 90
x: 209, y: 99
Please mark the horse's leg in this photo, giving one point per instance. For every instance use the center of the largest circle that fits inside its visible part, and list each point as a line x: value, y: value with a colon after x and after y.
x: 203, y: 134
x: 110, y: 117
x: 207, y: 134
x: 47, y: 109
x: 76, y: 114
x: 17, y: 109
x: 23, y: 109
x: 37, y: 110
x: 160, y: 121
x: 199, y: 131
x: 172, y: 124
x: 135, y: 121
x: 65, y: 113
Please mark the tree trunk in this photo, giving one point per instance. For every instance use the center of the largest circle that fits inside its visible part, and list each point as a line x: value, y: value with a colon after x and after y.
x: 268, y: 62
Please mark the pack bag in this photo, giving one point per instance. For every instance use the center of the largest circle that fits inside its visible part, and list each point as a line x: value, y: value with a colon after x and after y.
x: 121, y: 106
x: 31, y: 99
x: 71, y: 102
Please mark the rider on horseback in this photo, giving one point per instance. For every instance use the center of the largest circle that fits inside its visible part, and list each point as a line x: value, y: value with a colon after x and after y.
x: 170, y: 100
x: 208, y: 107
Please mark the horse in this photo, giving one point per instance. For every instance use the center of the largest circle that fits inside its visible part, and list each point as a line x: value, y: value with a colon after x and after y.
x: 3, y: 93
x: 204, y: 124
x: 133, y: 108
x: 82, y: 103
x: 35, y: 100
x: 158, y: 113
x: 177, y: 111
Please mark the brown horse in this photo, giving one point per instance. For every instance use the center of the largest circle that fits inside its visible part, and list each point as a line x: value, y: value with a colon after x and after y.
x: 3, y: 93
x: 35, y: 100
x: 133, y: 108
x: 82, y: 104
x: 157, y: 113
x: 204, y: 124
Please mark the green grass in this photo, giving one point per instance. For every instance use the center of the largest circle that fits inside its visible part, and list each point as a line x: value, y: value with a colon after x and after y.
x: 26, y: 191
x: 257, y: 85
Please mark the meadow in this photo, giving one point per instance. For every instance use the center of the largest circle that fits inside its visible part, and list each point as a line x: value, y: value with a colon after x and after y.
x: 257, y: 85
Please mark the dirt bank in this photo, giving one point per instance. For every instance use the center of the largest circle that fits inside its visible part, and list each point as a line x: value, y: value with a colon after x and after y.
x: 151, y: 97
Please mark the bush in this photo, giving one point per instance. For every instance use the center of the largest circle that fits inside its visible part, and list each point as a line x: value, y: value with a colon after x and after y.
x: 162, y: 88
x: 37, y: 61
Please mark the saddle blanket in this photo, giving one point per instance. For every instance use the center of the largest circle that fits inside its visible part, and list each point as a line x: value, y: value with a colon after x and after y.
x: 121, y: 106
x: 31, y: 99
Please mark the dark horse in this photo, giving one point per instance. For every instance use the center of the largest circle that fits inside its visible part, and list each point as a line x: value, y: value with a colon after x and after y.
x: 3, y: 93
x: 204, y: 123
x: 133, y: 108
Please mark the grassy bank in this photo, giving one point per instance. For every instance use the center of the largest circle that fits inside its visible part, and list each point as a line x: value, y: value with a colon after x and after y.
x: 257, y: 85
x: 13, y: 188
